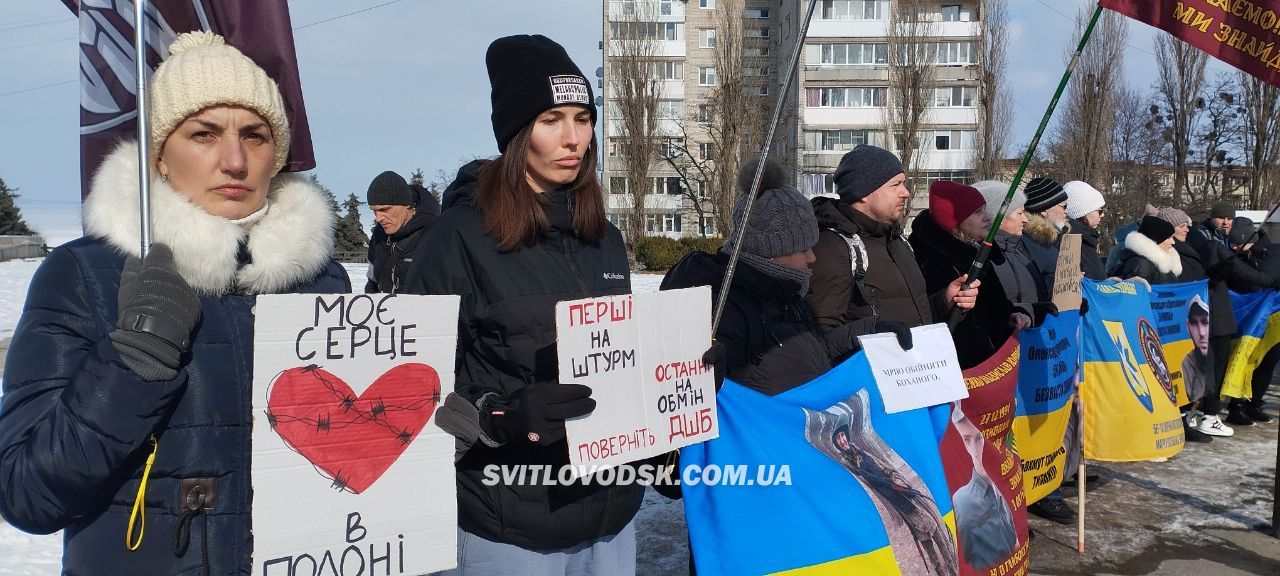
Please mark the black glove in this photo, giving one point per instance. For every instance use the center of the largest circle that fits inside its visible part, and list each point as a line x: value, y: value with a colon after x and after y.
x: 718, y: 359
x: 535, y: 413
x: 1275, y: 282
x: 157, y: 310
x: 899, y: 329
x: 1042, y: 310
x: 461, y: 419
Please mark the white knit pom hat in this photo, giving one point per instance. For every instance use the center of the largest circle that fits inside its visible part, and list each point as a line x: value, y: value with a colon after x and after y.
x: 1082, y: 199
x: 203, y: 71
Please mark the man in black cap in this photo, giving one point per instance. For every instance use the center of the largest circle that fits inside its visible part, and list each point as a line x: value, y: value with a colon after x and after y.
x: 864, y: 268
x: 402, y: 213
x: 1046, y: 209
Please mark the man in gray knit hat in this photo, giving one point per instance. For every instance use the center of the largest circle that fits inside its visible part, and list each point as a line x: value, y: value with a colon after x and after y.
x: 769, y: 336
x: 864, y: 269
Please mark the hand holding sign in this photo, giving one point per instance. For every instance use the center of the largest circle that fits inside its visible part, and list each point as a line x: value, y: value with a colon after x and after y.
x: 926, y: 375
x: 535, y: 413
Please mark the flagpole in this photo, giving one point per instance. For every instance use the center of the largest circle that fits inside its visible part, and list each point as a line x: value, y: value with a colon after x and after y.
x: 984, y: 250
x: 144, y: 158
x: 764, y: 155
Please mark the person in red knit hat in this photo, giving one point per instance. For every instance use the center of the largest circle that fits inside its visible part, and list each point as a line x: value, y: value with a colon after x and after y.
x: 945, y: 238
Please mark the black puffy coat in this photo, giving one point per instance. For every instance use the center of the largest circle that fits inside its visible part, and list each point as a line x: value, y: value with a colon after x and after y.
x: 75, y: 421
x: 1222, y: 268
x: 390, y: 256
x: 1090, y: 261
x: 1143, y: 258
x: 1192, y: 267
x: 943, y: 258
x: 769, y: 335
x: 506, y: 341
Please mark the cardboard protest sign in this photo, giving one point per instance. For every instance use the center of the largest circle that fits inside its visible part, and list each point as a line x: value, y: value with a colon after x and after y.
x: 349, y: 469
x: 984, y: 471
x: 926, y: 375
x: 1066, y: 276
x: 653, y: 393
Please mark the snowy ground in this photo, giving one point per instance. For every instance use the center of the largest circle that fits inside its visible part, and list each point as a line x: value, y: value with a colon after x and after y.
x: 1197, y: 506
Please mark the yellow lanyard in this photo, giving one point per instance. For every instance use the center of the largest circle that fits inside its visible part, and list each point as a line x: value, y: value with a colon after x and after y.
x: 139, y: 505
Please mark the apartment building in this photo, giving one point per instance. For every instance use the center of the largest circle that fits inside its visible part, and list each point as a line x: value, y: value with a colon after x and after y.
x: 842, y: 99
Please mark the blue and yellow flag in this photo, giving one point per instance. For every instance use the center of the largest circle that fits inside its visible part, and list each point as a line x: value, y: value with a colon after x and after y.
x: 1257, y: 330
x: 1129, y: 415
x: 1047, y: 374
x: 1182, y: 322
x: 864, y: 492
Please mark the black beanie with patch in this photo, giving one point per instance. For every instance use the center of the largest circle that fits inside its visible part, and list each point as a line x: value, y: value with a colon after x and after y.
x: 529, y: 75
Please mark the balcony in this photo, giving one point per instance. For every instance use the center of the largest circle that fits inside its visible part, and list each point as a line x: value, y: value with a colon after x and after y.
x: 848, y: 28
x: 843, y: 117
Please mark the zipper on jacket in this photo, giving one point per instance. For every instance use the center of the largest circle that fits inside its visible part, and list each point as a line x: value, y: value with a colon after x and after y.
x: 573, y: 264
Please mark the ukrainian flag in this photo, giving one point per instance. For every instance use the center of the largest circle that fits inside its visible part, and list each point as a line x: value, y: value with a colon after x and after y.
x: 864, y: 492
x: 1047, y: 371
x: 1257, y: 331
x: 1128, y: 415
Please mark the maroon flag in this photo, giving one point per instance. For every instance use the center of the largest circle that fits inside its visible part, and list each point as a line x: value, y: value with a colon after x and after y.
x: 1244, y: 34
x: 108, y: 103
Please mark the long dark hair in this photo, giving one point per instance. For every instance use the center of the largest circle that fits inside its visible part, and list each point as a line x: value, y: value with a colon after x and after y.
x: 512, y: 210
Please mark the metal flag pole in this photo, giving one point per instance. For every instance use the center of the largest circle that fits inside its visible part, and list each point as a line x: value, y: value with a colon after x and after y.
x: 764, y: 155
x: 144, y: 158
x: 979, y: 261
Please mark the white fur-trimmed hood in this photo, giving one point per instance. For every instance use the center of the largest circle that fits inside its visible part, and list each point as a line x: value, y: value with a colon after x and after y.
x: 291, y: 243
x: 1166, y: 261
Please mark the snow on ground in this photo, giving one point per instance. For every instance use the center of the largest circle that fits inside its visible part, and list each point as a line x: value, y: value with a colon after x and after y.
x: 15, y: 275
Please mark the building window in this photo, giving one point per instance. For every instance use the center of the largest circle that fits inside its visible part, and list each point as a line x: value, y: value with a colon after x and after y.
x: 672, y: 223
x: 755, y: 32
x: 846, y: 97
x: 707, y: 76
x: 956, y: 13
x: 617, y: 185
x: 707, y: 4
x: 650, y: 223
x: 671, y: 147
x: 664, y: 7
x: 666, y: 185
x: 707, y: 38
x: 957, y: 53
x: 670, y: 70
x: 706, y: 151
x: 954, y: 96
x: 853, y: 9
x: 702, y: 189
x: 954, y: 139
x: 818, y: 184
x: 670, y: 109
x: 755, y: 14
x: 707, y: 226
x: 764, y: 89
x: 851, y: 54
x: 756, y: 51
x: 704, y: 113
x: 839, y: 140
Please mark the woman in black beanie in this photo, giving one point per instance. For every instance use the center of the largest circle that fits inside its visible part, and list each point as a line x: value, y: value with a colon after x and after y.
x: 1148, y: 253
x: 518, y: 234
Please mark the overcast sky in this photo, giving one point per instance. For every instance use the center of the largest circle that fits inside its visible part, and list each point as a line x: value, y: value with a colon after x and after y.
x: 398, y: 87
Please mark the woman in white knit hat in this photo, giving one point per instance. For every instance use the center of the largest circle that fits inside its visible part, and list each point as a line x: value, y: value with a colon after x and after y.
x: 1085, y: 206
x: 125, y: 420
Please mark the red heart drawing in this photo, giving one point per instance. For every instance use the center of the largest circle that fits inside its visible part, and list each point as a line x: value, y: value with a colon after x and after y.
x: 351, y: 439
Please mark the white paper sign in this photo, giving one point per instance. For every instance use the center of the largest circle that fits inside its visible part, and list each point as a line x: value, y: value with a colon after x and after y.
x: 641, y: 354
x: 350, y: 472
x: 926, y: 375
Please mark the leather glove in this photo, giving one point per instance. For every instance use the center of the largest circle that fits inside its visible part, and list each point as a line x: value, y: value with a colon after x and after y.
x: 157, y: 310
x: 718, y: 359
x: 535, y: 413
x: 899, y: 329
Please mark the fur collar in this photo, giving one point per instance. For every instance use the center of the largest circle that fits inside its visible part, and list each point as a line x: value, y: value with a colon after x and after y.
x: 289, y: 244
x: 1041, y: 231
x: 1166, y: 261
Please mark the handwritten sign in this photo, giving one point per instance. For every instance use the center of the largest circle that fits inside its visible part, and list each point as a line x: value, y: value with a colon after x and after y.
x: 349, y: 469
x: 926, y: 375
x: 641, y: 354
x: 1066, y: 277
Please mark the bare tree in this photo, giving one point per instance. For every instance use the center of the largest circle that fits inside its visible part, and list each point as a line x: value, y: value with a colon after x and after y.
x: 1216, y: 140
x: 1136, y: 153
x: 913, y: 54
x: 1260, y: 140
x: 634, y: 92
x: 696, y: 174
x: 1081, y: 140
x: 1181, y: 79
x: 995, y: 103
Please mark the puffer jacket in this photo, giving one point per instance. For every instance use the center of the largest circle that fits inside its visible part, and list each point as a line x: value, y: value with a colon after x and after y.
x: 943, y: 257
x: 894, y: 287
x: 1222, y: 267
x: 390, y: 255
x: 1143, y: 258
x: 75, y: 422
x: 1192, y: 268
x: 1018, y: 277
x: 1040, y: 238
x: 769, y: 335
x: 1090, y: 262
x: 506, y: 341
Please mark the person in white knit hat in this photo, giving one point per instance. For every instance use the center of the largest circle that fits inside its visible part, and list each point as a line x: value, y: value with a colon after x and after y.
x: 1085, y: 206
x: 126, y: 388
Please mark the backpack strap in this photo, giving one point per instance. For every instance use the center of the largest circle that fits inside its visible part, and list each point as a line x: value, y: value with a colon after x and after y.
x: 858, y: 262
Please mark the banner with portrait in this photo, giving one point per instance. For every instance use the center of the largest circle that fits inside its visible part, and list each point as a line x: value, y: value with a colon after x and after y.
x: 1182, y: 322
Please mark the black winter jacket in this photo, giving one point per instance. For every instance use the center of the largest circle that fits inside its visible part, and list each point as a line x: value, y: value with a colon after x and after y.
x: 1090, y: 262
x: 1222, y: 267
x: 506, y: 341
x: 1192, y: 268
x: 1143, y: 258
x: 943, y: 258
x: 75, y: 420
x: 895, y: 289
x: 391, y: 255
x: 769, y: 335
x: 1018, y: 275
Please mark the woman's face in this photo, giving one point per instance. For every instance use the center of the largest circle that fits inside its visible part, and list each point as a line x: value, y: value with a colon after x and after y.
x: 559, y: 140
x: 976, y: 225
x: 1014, y: 221
x: 799, y: 260
x: 221, y: 159
x: 1180, y: 231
